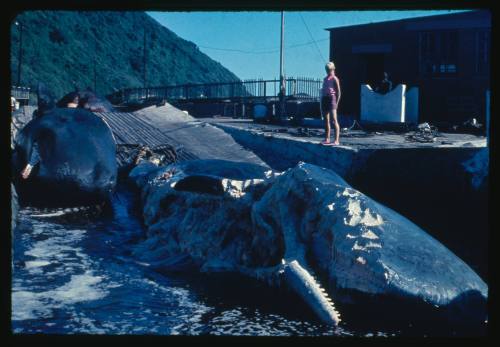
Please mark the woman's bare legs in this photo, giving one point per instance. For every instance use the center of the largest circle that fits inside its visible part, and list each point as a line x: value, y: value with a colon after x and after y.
x: 337, y: 128
x: 327, y: 127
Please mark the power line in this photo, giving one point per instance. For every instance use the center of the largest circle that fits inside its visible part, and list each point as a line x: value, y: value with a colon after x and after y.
x: 309, y: 42
x: 238, y: 50
x: 263, y: 51
x: 312, y: 38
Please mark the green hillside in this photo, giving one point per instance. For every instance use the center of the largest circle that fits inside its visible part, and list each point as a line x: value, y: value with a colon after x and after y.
x: 60, y: 47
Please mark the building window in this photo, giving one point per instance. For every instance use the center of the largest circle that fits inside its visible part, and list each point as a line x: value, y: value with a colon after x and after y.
x: 438, y: 52
x: 483, y: 44
x: 447, y: 68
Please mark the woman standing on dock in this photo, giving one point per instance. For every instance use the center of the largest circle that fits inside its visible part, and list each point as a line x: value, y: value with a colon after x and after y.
x: 330, y: 97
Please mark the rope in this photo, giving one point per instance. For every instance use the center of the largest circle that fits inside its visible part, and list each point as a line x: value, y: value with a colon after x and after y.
x: 425, y: 133
x: 312, y: 38
x: 354, y: 124
x: 262, y: 51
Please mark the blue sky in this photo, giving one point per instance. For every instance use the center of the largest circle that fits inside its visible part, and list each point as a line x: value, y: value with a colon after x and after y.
x: 247, y: 43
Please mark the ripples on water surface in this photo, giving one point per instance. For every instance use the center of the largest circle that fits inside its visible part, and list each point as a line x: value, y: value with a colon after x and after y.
x: 79, y: 277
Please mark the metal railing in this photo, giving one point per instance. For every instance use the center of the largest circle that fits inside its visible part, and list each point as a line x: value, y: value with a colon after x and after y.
x: 302, y: 88
x: 20, y: 93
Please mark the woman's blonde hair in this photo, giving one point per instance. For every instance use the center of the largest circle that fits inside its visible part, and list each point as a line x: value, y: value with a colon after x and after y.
x: 330, y: 66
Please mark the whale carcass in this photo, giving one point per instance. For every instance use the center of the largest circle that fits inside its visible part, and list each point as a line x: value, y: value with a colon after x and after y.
x: 72, y: 157
x: 305, y: 228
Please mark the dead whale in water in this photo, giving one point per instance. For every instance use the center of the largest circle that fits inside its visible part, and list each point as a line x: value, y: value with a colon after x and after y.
x: 72, y: 153
x: 306, y: 229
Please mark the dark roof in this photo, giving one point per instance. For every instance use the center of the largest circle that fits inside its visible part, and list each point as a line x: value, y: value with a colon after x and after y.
x: 468, y: 13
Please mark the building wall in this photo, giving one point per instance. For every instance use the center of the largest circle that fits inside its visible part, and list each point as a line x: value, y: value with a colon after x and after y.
x: 398, y: 47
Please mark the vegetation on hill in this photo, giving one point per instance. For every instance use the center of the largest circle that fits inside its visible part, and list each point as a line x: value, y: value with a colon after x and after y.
x: 61, y: 49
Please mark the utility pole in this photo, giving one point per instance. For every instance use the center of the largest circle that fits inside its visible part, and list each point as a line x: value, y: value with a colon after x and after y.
x: 282, y: 67
x: 20, y: 56
x: 144, y: 57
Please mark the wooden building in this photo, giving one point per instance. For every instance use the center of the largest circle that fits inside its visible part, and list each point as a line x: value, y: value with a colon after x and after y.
x: 446, y: 56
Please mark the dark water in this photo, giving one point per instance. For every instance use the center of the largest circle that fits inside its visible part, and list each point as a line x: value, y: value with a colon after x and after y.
x: 76, y: 276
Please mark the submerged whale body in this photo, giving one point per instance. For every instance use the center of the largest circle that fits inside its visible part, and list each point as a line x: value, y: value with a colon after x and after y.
x: 76, y: 162
x: 306, y: 229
